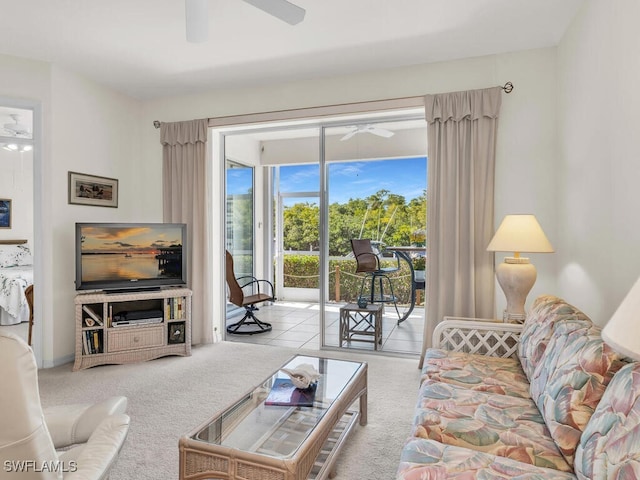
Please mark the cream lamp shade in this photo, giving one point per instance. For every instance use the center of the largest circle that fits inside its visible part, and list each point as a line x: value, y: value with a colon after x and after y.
x: 622, y: 333
x: 516, y: 275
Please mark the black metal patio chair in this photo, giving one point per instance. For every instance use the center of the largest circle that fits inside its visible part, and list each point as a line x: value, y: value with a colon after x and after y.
x: 369, y: 262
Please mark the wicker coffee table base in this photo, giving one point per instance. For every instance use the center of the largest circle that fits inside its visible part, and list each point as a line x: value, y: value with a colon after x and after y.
x: 314, y: 459
x: 207, y: 465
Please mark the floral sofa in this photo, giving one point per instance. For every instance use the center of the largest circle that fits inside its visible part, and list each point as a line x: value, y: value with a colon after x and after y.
x: 566, y: 406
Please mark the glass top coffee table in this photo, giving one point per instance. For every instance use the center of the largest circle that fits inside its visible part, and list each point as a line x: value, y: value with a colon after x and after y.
x: 251, y: 440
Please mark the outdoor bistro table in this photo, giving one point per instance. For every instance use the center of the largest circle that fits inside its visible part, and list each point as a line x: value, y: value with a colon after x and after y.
x: 403, y: 253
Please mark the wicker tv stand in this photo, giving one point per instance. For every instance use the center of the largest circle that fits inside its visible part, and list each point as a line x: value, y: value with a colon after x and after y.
x: 166, y: 331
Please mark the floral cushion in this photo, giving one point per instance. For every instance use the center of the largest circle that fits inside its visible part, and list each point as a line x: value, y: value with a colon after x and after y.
x: 15, y: 256
x: 476, y: 372
x: 538, y: 327
x: 427, y: 459
x: 610, y: 444
x: 571, y: 379
x: 492, y: 423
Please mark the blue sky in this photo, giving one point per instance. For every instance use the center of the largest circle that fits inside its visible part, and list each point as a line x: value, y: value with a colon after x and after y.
x: 359, y: 179
x: 407, y: 177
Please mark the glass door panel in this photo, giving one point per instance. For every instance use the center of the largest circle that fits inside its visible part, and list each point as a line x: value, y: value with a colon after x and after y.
x: 298, y: 244
x: 376, y: 184
x: 240, y: 219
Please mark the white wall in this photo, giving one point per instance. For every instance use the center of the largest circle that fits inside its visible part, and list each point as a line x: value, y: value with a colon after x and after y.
x: 599, y: 172
x: 527, y: 142
x: 94, y: 131
x: 242, y: 149
x: 29, y: 82
x: 85, y: 128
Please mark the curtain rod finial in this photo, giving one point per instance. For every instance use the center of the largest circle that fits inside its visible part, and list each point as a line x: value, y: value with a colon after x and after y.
x: 508, y: 87
x: 156, y: 123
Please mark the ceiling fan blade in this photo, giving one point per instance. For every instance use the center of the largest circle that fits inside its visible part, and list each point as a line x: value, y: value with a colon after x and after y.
x: 15, y: 128
x: 285, y: 11
x: 197, y: 20
x: 349, y: 135
x: 381, y: 132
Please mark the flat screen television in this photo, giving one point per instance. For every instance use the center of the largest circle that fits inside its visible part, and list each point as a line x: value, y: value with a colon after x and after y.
x: 124, y: 256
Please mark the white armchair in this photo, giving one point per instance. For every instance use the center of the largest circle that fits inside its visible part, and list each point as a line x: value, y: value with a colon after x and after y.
x: 92, y: 435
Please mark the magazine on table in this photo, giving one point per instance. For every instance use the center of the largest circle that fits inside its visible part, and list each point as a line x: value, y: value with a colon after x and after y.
x: 284, y: 393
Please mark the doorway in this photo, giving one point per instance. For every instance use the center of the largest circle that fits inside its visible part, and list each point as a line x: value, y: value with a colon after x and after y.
x: 19, y: 160
x: 297, y: 232
x: 333, y: 167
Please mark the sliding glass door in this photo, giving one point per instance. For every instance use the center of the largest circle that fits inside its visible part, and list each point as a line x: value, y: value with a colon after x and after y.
x: 312, y: 188
x: 375, y: 189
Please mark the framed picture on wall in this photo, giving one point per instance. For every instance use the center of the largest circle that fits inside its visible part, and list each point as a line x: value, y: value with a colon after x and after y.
x: 91, y: 190
x: 5, y: 213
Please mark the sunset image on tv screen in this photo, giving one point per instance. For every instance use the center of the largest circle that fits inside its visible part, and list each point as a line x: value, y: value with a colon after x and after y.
x: 131, y: 253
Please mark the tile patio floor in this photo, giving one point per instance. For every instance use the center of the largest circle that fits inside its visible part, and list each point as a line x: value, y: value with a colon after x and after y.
x: 296, y: 325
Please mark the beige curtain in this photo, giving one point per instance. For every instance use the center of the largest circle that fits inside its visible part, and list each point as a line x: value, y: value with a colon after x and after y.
x: 185, y: 200
x: 461, y: 133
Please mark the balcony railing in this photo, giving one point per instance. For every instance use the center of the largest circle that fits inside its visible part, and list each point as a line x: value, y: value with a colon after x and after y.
x: 302, y: 271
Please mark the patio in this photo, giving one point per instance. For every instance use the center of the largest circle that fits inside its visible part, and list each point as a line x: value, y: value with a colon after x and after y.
x: 296, y: 325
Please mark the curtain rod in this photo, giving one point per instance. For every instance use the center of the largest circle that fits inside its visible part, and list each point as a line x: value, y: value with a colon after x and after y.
x: 507, y: 87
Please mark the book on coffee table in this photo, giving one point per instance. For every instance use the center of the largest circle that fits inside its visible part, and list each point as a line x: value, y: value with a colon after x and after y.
x: 284, y: 393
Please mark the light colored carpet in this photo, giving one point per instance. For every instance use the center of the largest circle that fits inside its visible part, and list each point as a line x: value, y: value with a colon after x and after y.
x: 171, y: 396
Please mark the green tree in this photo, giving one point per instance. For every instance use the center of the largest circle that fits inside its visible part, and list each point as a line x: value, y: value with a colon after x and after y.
x: 301, y: 227
x: 385, y: 211
x: 417, y: 220
x: 344, y: 224
x: 384, y: 216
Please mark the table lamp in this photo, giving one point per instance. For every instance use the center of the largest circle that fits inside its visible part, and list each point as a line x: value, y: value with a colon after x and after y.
x: 622, y: 332
x: 516, y: 275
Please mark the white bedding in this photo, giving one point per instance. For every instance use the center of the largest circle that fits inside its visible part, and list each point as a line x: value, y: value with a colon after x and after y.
x: 13, y: 281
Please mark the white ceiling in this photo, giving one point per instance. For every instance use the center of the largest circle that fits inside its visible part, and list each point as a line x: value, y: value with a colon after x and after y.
x: 138, y: 47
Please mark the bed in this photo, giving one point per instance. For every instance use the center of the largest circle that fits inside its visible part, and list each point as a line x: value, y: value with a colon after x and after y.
x: 16, y: 274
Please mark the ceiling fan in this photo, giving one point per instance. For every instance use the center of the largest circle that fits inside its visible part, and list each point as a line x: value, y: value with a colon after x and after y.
x: 16, y: 129
x: 381, y: 132
x: 197, y: 16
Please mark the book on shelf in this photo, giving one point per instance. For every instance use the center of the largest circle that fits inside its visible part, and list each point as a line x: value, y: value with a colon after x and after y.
x: 284, y: 393
x: 92, y: 314
x: 173, y: 308
x: 96, y: 342
x: 92, y: 342
x: 85, y: 344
